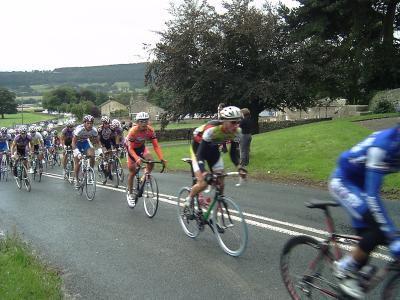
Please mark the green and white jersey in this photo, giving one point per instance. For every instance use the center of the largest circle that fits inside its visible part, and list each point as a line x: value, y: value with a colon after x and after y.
x: 216, y: 136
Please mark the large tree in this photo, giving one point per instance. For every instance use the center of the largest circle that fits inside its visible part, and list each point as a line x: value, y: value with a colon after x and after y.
x: 8, y: 105
x: 351, y: 42
x: 240, y: 57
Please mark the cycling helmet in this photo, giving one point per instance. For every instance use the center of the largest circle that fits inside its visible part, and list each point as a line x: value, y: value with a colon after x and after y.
x: 3, y: 130
x: 105, y: 119
x: 230, y: 113
x: 88, y: 118
x: 70, y: 123
x: 11, y: 131
x: 32, y: 129
x: 23, y: 129
x: 55, y: 132
x: 116, y: 123
x: 142, y: 116
x: 50, y: 126
x: 39, y: 129
x: 45, y: 134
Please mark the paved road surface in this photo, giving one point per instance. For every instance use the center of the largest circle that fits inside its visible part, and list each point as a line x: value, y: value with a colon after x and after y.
x: 108, y: 251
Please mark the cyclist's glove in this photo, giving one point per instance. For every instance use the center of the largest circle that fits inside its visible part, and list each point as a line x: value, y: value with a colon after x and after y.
x: 394, y: 247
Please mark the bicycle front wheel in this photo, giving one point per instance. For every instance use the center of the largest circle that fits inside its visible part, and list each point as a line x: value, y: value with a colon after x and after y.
x: 90, y: 184
x: 187, y: 214
x: 150, y: 197
x: 229, y: 226
x: 25, y: 179
x: 119, y: 171
x: 306, y: 269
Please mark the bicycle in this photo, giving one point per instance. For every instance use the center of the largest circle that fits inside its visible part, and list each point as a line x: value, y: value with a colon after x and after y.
x: 315, y: 279
x: 37, y: 167
x: 147, y: 185
x: 219, y: 216
x: 21, y: 173
x: 5, y: 167
x: 111, y: 168
x: 86, y: 178
x: 69, y: 166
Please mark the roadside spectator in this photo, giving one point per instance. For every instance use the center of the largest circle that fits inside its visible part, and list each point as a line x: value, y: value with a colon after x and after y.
x: 246, y: 124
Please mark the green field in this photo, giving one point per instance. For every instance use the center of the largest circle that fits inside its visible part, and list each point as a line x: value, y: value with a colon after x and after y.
x: 23, y: 276
x: 13, y: 119
x: 302, y: 154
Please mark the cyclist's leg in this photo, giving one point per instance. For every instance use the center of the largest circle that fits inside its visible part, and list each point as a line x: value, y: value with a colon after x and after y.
x: 147, y: 156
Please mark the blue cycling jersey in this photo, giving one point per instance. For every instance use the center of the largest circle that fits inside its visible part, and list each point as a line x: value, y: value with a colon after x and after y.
x: 366, y: 164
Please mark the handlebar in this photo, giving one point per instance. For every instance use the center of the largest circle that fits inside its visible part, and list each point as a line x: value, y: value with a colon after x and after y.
x: 153, y: 162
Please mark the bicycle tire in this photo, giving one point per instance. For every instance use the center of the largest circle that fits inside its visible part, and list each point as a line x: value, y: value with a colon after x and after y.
x: 391, y: 289
x: 186, y: 215
x: 150, y: 196
x: 90, y: 184
x: 114, y: 174
x: 305, y: 279
x: 119, y: 171
x: 18, y: 178
x: 58, y: 159
x: 25, y: 178
x: 229, y: 229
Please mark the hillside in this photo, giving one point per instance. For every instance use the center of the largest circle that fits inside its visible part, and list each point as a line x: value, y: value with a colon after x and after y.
x: 98, y: 77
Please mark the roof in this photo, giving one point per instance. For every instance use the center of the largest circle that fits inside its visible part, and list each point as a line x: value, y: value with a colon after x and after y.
x: 109, y: 101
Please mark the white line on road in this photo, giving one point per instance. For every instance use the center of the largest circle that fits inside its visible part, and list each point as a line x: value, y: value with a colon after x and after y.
x: 167, y: 199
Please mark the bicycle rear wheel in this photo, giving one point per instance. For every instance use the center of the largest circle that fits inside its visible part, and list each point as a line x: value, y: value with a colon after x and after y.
x: 150, y: 196
x: 119, y: 170
x: 90, y: 184
x: 114, y: 174
x: 306, y: 269
x: 230, y: 230
x: 187, y: 215
x: 26, y: 179
x: 391, y: 290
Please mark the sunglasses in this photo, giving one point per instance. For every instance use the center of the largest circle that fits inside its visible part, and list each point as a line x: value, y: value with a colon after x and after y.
x: 235, y: 122
x: 143, y: 121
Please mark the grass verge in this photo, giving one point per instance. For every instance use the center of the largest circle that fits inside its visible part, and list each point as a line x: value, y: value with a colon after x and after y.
x: 22, y: 275
x: 29, y: 117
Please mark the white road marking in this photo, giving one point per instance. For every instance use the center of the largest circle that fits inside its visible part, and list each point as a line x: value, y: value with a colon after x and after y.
x: 167, y: 199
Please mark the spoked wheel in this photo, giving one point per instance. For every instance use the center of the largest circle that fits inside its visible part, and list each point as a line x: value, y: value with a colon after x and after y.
x: 81, y: 182
x: 69, y: 172
x: 4, y: 169
x: 187, y: 214
x: 306, y: 269
x: 229, y: 227
x: 18, y: 179
x: 114, y: 175
x: 150, y: 196
x: 26, y: 179
x: 90, y: 184
x: 57, y: 159
x: 119, y: 171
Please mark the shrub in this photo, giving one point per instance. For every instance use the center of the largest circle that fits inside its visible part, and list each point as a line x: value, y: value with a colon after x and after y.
x: 384, y: 105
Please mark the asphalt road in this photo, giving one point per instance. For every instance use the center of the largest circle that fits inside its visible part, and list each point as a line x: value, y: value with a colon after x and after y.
x: 108, y: 251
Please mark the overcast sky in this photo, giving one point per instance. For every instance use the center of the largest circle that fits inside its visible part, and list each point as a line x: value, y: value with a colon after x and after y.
x: 49, y: 34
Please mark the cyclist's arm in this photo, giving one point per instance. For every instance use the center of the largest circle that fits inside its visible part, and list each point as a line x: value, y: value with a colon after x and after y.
x: 375, y: 172
x: 157, y: 149
x: 234, y: 154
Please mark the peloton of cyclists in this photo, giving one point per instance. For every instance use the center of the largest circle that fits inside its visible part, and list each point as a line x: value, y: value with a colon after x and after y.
x: 137, y: 136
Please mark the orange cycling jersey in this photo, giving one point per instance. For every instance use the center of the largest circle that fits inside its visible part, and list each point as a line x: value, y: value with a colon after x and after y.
x: 137, y: 139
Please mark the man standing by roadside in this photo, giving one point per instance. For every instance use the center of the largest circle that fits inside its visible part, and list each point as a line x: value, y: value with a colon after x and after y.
x: 246, y: 124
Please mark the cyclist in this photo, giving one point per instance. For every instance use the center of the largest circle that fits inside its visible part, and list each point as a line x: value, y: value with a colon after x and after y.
x: 21, y: 146
x: 106, y: 136
x: 356, y: 184
x: 4, y: 142
x: 137, y: 149
x: 66, y: 139
x: 118, y: 139
x: 11, y: 132
x: 81, y: 143
x: 207, y: 150
x: 56, y: 139
x: 37, y: 143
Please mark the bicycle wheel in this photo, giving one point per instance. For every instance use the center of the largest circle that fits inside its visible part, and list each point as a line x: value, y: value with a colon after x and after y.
x: 90, y: 184
x: 25, y: 179
x: 150, y: 196
x: 58, y: 159
x: 119, y: 170
x: 18, y: 178
x: 69, y: 171
x: 230, y: 230
x: 114, y: 175
x: 391, y: 289
x: 187, y: 215
x: 306, y: 269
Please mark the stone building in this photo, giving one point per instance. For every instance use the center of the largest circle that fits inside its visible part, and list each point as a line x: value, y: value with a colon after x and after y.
x: 111, y: 106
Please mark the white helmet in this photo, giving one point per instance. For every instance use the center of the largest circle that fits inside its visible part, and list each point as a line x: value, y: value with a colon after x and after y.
x: 142, y: 116
x: 230, y: 112
x: 11, y: 131
x: 70, y: 123
x: 115, y: 123
x: 32, y: 129
x: 105, y: 119
x: 45, y: 134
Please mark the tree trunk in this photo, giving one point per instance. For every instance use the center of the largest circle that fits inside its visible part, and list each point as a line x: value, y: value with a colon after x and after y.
x: 388, y: 21
x: 2, y: 116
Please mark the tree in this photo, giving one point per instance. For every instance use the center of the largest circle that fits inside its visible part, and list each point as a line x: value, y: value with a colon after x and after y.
x: 241, y: 57
x: 8, y: 104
